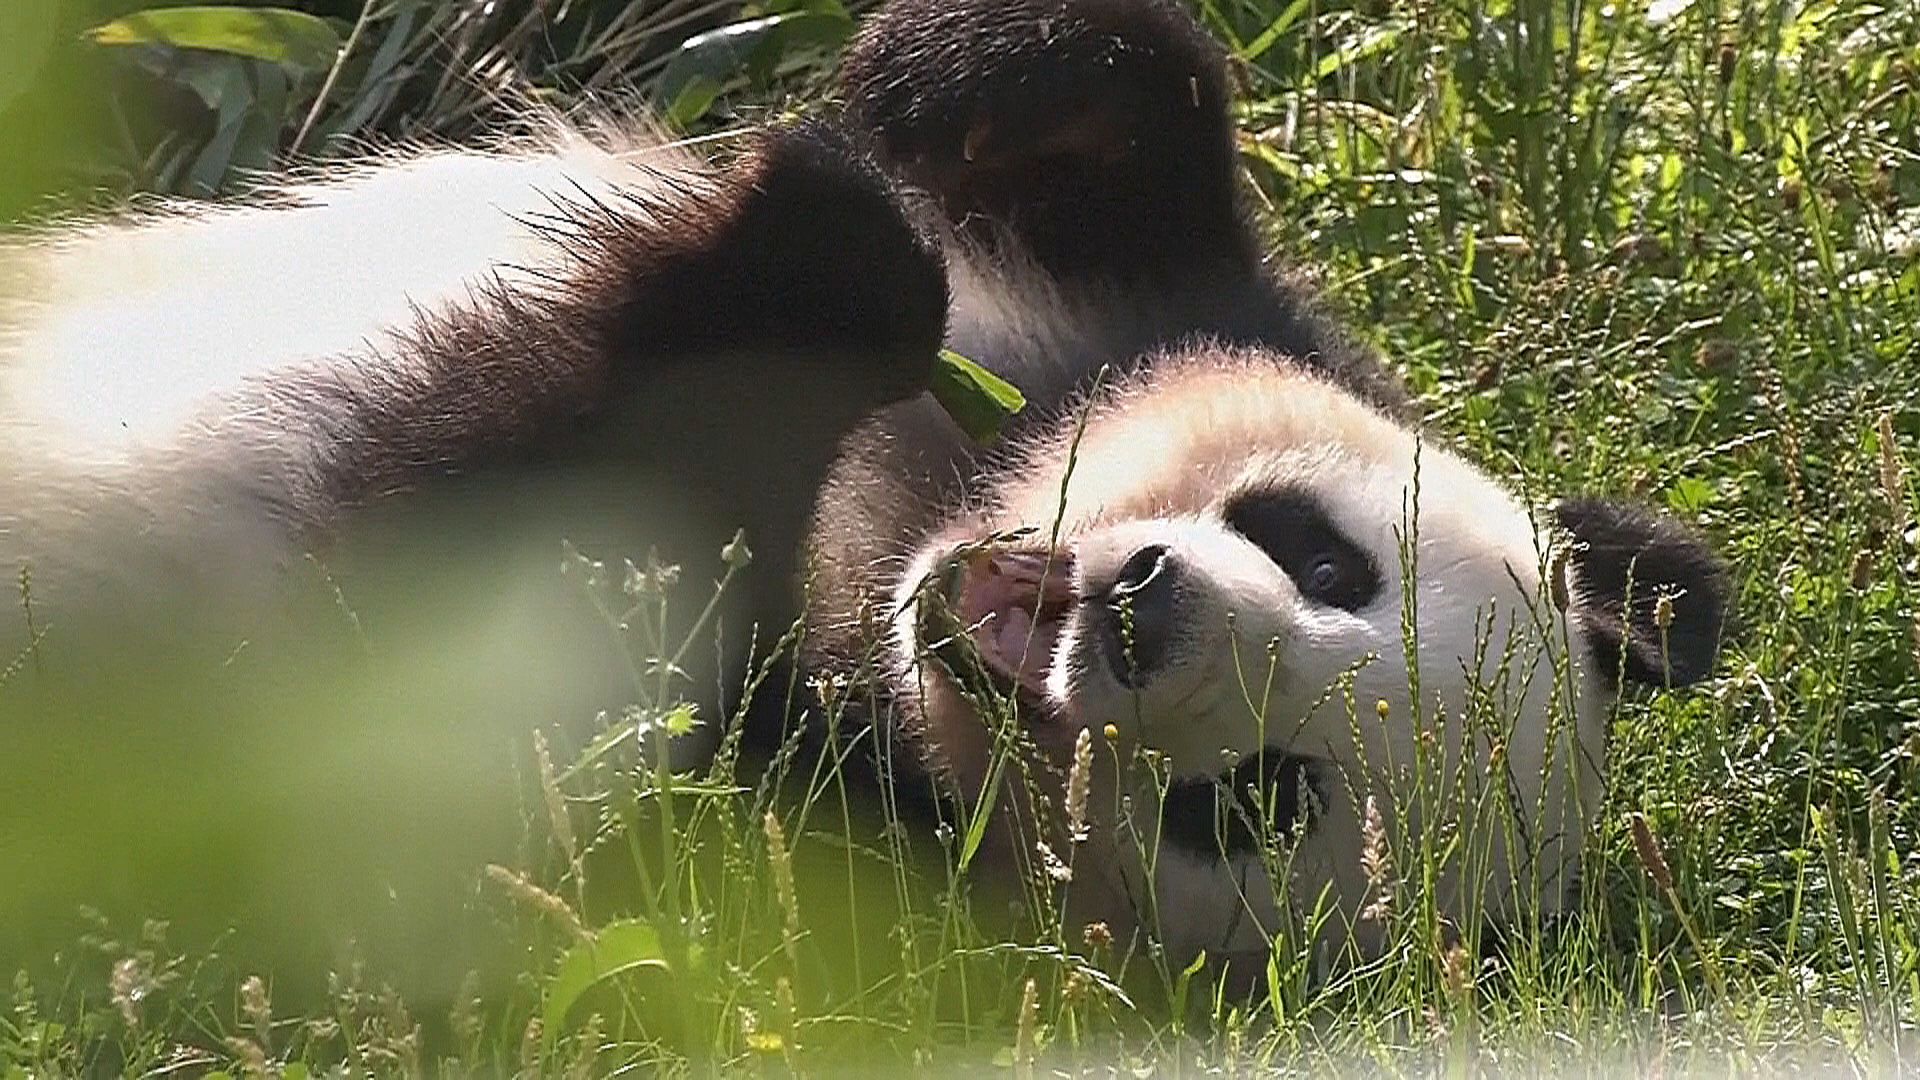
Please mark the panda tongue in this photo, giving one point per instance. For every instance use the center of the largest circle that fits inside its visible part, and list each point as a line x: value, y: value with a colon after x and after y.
x: 1011, y: 637
x: 1015, y: 601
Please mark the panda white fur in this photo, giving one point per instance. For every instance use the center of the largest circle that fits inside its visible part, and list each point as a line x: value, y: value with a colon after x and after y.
x: 1212, y: 487
x: 211, y: 391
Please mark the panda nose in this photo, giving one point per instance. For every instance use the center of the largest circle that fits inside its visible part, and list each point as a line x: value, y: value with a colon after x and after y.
x: 1139, y: 615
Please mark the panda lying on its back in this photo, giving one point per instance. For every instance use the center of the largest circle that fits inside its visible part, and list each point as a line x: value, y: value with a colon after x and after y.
x: 1195, y: 531
x: 1190, y: 535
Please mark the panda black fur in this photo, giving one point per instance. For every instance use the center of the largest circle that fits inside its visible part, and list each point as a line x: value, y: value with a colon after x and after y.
x: 1048, y: 187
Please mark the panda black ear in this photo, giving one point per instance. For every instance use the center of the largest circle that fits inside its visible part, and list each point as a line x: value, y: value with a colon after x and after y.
x: 1625, y: 559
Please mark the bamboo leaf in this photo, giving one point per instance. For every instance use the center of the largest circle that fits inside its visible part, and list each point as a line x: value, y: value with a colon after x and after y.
x: 977, y: 399
x: 278, y: 35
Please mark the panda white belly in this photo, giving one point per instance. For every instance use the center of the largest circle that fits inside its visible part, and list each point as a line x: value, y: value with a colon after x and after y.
x: 128, y: 349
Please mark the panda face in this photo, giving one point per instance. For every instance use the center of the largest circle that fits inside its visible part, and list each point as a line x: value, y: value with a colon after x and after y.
x: 1237, y: 552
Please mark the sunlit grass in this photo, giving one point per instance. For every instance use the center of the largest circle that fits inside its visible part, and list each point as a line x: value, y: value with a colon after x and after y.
x: 1666, y: 252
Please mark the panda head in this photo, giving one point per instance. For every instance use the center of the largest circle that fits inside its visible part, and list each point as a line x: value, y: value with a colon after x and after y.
x: 1218, y: 558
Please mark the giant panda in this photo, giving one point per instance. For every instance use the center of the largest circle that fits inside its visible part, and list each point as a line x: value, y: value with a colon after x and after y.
x: 592, y: 332
x: 1217, y: 551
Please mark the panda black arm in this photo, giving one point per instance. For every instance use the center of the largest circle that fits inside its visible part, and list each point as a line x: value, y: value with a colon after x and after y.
x: 806, y: 250
x: 1094, y: 132
x: 689, y: 310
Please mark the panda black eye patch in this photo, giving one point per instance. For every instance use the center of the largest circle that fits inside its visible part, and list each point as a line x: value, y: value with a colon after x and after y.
x: 1295, y: 531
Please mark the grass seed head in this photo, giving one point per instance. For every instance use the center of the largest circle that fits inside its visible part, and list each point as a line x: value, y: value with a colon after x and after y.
x: 256, y: 1007
x: 518, y: 886
x: 1860, y: 573
x: 557, y: 816
x: 530, y: 1047
x: 1648, y: 849
x: 1376, y: 861
x: 1456, y: 971
x: 248, y: 1055
x: 1024, y: 1036
x: 128, y: 985
x: 1056, y: 869
x: 1074, y: 989
x: 1078, y: 779
x: 1557, y: 587
x: 464, y: 1018
x: 1893, y: 478
x: 781, y: 863
x: 253, y: 1001
x: 783, y: 1000
x: 1716, y: 355
x: 736, y: 554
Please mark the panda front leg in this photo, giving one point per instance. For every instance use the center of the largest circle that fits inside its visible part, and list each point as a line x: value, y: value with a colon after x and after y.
x: 754, y: 331
x: 718, y: 330
x: 746, y: 332
x: 800, y: 254
x: 1092, y: 140
x: 1094, y: 133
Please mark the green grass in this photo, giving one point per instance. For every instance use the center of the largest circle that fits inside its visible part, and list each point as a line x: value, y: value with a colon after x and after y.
x: 1674, y: 254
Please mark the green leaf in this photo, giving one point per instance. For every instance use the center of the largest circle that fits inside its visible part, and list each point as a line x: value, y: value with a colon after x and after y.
x: 1689, y: 493
x: 1182, y: 981
x: 692, y: 100
x: 705, y: 63
x: 977, y: 399
x: 982, y: 812
x: 1280, y: 25
x: 616, y: 948
x: 278, y: 35
x: 26, y: 41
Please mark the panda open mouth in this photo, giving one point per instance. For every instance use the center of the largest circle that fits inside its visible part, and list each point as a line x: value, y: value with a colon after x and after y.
x: 998, y: 613
x: 1010, y: 606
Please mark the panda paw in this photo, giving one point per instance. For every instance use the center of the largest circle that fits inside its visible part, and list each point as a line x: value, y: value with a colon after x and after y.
x: 1095, y: 133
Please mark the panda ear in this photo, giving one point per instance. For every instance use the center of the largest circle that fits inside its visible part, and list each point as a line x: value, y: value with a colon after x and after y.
x: 1625, y: 560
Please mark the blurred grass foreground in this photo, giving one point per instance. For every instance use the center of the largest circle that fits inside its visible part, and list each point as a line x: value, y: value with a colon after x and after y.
x: 1662, y: 248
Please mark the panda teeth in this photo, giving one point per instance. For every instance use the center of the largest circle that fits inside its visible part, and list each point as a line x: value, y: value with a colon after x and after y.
x: 1015, y: 603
